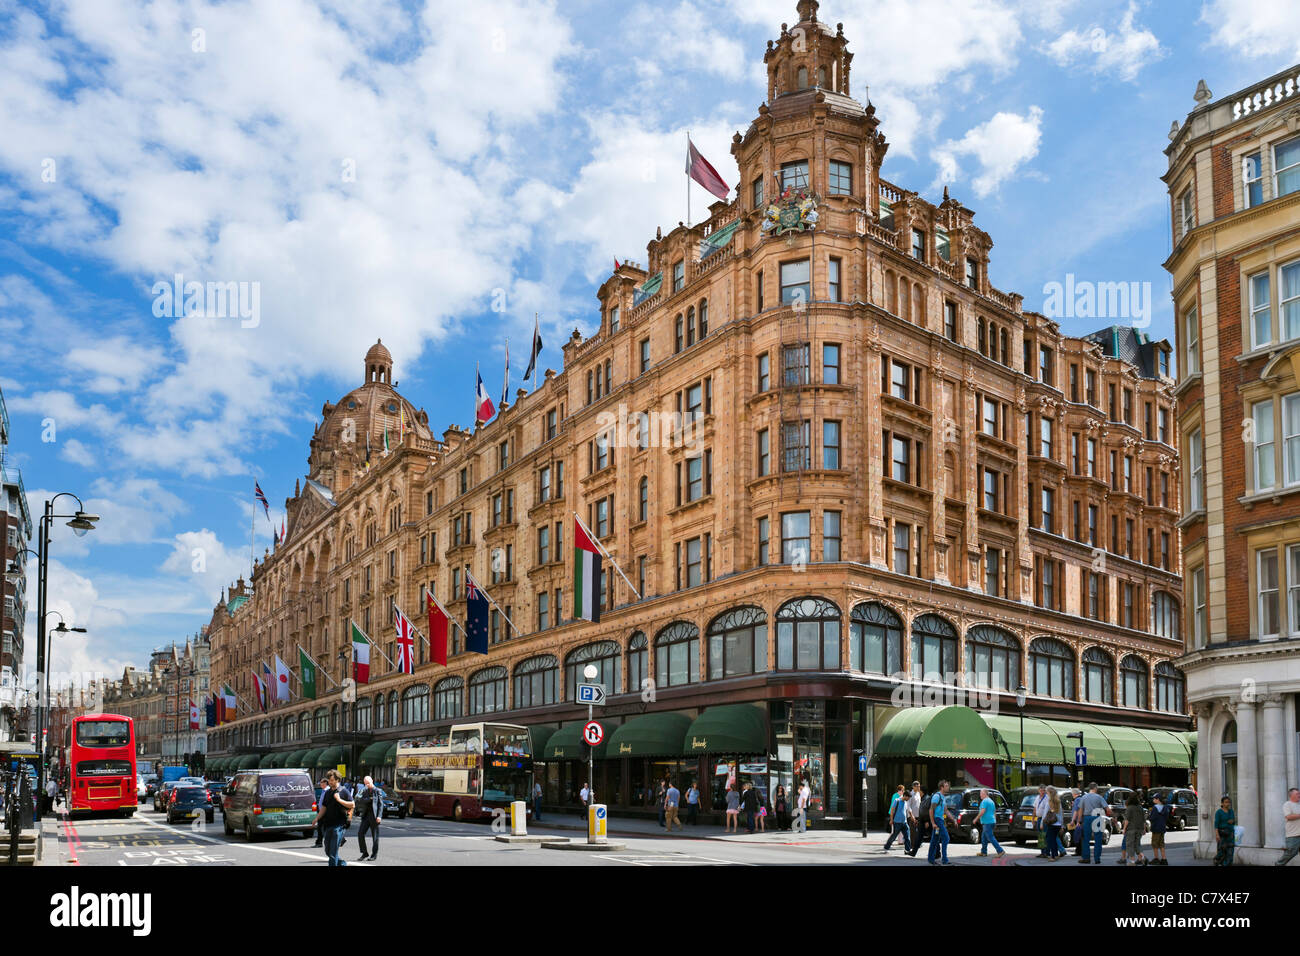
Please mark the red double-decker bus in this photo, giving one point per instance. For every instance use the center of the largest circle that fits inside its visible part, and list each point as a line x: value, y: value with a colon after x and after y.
x: 101, y: 764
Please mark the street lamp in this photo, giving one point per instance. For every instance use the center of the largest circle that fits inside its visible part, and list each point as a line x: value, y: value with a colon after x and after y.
x: 1020, y: 705
x: 80, y: 523
x: 343, y: 703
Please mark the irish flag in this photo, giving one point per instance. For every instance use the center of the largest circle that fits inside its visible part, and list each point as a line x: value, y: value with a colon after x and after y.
x: 229, y: 704
x: 360, y: 655
x: 586, y: 573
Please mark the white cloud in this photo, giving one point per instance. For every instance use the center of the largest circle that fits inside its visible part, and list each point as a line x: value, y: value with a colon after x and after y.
x: 78, y: 453
x: 999, y: 146
x: 688, y: 40
x: 199, y: 560
x: 1254, y: 28
x: 1123, y: 52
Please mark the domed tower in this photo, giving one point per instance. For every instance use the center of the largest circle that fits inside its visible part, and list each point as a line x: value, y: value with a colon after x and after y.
x: 356, y: 429
x: 811, y: 55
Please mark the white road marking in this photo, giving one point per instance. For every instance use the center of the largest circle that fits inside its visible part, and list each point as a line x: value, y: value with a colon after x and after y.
x: 251, y: 846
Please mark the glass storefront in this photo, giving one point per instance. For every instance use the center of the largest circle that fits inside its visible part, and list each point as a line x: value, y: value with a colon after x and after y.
x: 812, y: 745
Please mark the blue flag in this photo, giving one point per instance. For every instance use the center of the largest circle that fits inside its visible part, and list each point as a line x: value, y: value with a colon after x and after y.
x: 210, y: 712
x: 476, y: 617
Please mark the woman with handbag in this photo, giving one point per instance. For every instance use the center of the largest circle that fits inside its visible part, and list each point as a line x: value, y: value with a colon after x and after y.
x: 1052, y: 825
x: 1225, y: 826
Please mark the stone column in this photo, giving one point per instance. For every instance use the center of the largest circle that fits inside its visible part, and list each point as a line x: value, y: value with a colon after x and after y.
x: 1273, y: 782
x: 1247, y: 805
x: 1207, y: 775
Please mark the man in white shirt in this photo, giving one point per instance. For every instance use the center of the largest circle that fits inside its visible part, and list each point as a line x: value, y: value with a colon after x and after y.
x: 1040, y: 810
x: 586, y: 796
x: 1291, y: 814
x: 914, y: 816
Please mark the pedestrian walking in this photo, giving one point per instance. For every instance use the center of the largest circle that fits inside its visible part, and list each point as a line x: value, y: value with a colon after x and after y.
x: 333, y: 817
x: 1091, y: 811
x: 672, y: 799
x: 939, y: 816
x: 1135, y: 824
x: 322, y: 788
x: 1052, y: 825
x: 660, y: 797
x: 585, y: 797
x: 899, y: 792
x: 51, y: 794
x: 693, y: 805
x: 749, y: 803
x: 781, y: 804
x: 988, y: 811
x: 370, y: 809
x: 761, y: 817
x: 1291, y: 815
x: 805, y: 801
x: 1040, y: 811
x: 1225, y: 825
x: 1158, y: 818
x: 920, y: 823
x: 537, y: 801
x: 899, y: 819
x: 733, y: 810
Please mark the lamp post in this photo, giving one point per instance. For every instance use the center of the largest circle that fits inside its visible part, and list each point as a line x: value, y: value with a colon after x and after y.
x: 1020, y: 705
x: 590, y: 672
x: 343, y: 703
x: 46, y: 639
x: 80, y: 523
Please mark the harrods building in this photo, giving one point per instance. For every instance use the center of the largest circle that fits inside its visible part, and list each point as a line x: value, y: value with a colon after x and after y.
x: 850, y: 479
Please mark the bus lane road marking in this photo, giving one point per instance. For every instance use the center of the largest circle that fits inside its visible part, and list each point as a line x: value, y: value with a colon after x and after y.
x: 249, y: 846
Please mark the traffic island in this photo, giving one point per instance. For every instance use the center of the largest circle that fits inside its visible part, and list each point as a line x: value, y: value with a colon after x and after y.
x: 566, y: 845
x: 512, y: 838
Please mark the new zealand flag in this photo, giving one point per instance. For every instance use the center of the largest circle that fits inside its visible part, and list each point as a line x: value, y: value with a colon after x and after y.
x: 476, y: 617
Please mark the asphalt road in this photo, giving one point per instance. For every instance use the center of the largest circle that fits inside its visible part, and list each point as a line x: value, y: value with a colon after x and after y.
x: 148, y: 840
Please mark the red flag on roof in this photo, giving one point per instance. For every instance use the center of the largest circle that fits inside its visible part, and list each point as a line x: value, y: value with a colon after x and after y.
x: 702, y: 171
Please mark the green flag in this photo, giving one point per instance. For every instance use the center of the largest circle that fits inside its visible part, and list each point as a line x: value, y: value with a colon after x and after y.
x: 308, y: 667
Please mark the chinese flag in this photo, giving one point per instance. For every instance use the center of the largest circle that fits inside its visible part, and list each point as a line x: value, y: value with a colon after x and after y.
x: 437, y: 630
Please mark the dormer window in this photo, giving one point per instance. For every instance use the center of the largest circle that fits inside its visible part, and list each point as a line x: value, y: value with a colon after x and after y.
x: 679, y: 275
x: 802, y: 81
x: 972, y: 274
x: 613, y: 319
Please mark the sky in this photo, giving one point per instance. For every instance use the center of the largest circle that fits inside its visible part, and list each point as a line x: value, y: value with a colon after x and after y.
x: 434, y: 175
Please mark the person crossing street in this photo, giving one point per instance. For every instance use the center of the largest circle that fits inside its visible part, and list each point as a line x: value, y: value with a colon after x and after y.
x: 370, y: 808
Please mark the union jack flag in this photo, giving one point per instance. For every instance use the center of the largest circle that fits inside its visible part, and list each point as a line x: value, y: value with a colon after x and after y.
x: 260, y: 496
x: 405, y: 641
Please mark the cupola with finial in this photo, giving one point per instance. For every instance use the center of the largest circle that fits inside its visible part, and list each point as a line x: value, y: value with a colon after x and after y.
x: 809, y: 55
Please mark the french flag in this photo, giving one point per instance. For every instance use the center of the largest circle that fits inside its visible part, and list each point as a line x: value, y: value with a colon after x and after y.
x: 483, y: 407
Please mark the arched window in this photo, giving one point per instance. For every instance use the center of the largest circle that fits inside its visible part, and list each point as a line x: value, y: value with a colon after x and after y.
x: 321, y: 720
x: 394, y: 715
x: 875, y: 639
x: 704, y: 317
x: 801, y: 81
x: 304, y: 726
x: 415, y: 704
x: 638, y: 662
x: 361, y: 715
x: 808, y: 635
x: 934, y: 648
x: 379, y: 711
x: 677, y: 654
x: 604, y: 656
x: 487, y: 691
x: 1169, y: 688
x: 447, y: 694
x: 535, y: 681
x: 992, y: 658
x: 738, y: 643
x: 334, y: 717
x: 1051, y: 669
x: 1164, y: 615
x: 1133, y: 681
x: 1098, y: 676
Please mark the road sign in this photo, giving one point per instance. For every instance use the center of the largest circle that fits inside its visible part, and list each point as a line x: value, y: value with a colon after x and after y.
x: 1081, y: 756
x: 592, y: 732
x: 591, y: 694
x: 862, y: 764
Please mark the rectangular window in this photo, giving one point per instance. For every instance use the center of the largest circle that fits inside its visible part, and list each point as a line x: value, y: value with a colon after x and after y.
x: 796, y: 446
x: 992, y: 571
x: 1265, y: 447
x: 990, y: 490
x: 830, y: 536
x: 1091, y: 446
x: 764, y: 454
x: 795, y: 289
x: 1192, y: 330
x: 972, y: 274
x: 1186, y: 213
x: 756, y: 193
x: 1046, y: 366
x: 1196, y: 473
x: 902, y: 548
x: 840, y: 179
x: 1286, y: 167
x: 1252, y: 179
x: 1293, y: 587
x: 900, y: 458
x: 1266, y: 586
x: 645, y: 356
x: 831, y: 445
x: 764, y: 536
x: 950, y: 321
x: 795, y: 537
x: 833, y: 280
x: 943, y: 243
x: 794, y: 175
x: 764, y: 372
x: 1289, y: 301
x: 900, y: 377
x: 613, y: 319
x: 918, y: 244
x: 1045, y: 437
x: 830, y: 364
x: 1261, y: 313
x: 794, y: 365
x: 543, y: 545
x: 679, y: 276
x: 1200, y: 622
x: 989, y: 418
x: 1049, y: 510
x: 1291, y: 438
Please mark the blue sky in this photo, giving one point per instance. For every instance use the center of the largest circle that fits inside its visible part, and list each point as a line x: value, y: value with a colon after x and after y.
x: 433, y: 175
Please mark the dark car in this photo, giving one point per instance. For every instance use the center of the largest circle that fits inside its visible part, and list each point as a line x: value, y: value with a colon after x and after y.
x: 162, y: 795
x: 270, y: 801
x: 964, y: 805
x: 1023, y: 824
x: 1181, y: 803
x: 216, y: 790
x: 392, y: 806
x: 188, y: 803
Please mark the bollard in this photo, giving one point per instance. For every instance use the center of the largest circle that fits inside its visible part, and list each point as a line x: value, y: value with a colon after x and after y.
x: 596, y: 820
x: 518, y: 818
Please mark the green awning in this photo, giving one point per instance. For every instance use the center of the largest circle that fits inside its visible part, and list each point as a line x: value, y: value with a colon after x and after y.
x: 650, y: 735
x: 1170, y: 748
x: 216, y: 763
x: 373, y: 755
x: 938, y: 732
x: 1100, y: 753
x: 390, y: 755
x: 1189, y: 737
x: 1041, y: 743
x: 1130, y: 747
x: 250, y: 762
x: 295, y: 759
x: 566, y: 744
x: 309, y: 758
x: 539, y: 734
x: 329, y: 759
x: 268, y: 760
x: 728, y: 729
x: 281, y: 758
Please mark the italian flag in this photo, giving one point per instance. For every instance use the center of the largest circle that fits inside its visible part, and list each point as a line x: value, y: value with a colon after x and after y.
x: 360, y: 655
x: 586, y: 573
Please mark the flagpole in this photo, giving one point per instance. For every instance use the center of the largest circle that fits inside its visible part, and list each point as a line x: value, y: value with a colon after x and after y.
x: 505, y: 386
x: 445, y: 613
x: 373, y: 644
x: 532, y: 358
x: 252, y: 536
x: 493, y: 603
x: 605, y: 553
x: 688, y: 182
x: 319, y: 669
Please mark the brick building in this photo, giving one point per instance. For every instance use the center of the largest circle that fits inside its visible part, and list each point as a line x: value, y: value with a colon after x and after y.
x: 836, y: 463
x: 15, y: 535
x: 1234, y: 187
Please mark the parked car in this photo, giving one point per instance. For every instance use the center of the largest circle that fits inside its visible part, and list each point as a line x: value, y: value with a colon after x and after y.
x: 162, y: 795
x: 392, y: 806
x: 188, y: 802
x: 964, y: 805
x: 216, y: 790
x: 1024, y: 800
x: 269, y: 801
x: 1181, y: 802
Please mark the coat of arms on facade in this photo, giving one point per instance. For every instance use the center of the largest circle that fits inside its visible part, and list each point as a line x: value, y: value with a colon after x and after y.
x: 795, y: 210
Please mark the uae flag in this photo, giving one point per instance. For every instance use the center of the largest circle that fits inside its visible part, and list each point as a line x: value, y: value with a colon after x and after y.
x: 308, y: 668
x: 360, y: 655
x: 586, y: 574
x: 438, y: 624
x: 702, y: 171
